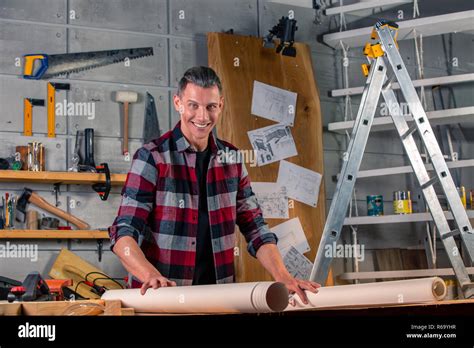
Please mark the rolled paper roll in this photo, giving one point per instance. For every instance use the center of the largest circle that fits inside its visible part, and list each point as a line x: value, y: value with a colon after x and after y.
x: 256, y: 297
x: 374, y: 294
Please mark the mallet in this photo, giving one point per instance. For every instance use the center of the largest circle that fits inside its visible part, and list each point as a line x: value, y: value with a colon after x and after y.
x: 125, y: 97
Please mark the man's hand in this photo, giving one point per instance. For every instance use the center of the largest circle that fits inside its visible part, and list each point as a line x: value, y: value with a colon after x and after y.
x: 270, y: 258
x: 132, y: 257
x: 295, y: 285
x: 156, y: 281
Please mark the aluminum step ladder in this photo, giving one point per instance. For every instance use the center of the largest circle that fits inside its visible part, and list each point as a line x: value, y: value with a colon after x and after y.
x: 381, y: 55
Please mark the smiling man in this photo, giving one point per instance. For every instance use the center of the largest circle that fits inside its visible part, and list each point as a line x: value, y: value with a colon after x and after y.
x: 181, y: 202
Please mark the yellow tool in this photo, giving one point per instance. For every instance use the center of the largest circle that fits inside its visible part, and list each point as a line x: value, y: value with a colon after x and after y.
x: 52, y: 87
x: 28, y: 104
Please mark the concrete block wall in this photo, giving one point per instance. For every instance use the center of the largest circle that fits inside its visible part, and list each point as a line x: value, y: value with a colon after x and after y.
x: 176, y: 29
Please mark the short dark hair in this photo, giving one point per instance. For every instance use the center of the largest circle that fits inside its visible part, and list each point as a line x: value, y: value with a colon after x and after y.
x: 201, y: 76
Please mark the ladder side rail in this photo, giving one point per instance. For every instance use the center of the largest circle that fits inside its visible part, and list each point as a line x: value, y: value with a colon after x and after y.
x: 426, y: 133
x: 429, y: 192
x: 350, y: 168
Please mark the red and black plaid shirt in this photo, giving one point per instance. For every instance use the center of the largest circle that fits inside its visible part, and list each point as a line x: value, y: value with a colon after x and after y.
x: 160, y: 203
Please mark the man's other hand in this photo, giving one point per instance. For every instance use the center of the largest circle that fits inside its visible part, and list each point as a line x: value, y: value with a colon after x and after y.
x: 156, y: 281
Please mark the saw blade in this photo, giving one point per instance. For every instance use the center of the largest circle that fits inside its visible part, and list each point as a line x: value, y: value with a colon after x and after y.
x: 61, y: 64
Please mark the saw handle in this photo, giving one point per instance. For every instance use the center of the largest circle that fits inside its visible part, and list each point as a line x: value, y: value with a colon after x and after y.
x: 41, y: 203
x: 29, y: 66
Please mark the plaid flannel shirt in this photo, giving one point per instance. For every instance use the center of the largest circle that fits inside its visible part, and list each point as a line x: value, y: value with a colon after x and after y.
x: 160, y: 202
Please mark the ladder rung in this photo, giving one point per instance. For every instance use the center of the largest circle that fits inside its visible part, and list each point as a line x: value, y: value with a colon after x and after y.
x: 409, y: 132
x: 388, y: 83
x: 449, y: 234
x: 430, y: 182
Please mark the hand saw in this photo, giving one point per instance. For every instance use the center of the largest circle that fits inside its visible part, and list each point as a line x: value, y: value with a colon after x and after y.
x: 45, y: 66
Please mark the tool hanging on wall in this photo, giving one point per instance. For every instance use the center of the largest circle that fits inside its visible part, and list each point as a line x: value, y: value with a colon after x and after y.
x: 44, y: 66
x: 75, y: 159
x: 151, y: 126
x: 51, y: 108
x: 125, y: 97
x: 89, y: 148
x: 28, y: 104
x: 78, y: 164
x: 28, y: 196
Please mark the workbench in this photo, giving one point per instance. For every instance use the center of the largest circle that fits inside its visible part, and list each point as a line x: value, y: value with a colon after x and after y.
x: 114, y: 308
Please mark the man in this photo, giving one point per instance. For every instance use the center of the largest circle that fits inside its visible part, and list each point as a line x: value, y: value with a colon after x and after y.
x: 184, y: 200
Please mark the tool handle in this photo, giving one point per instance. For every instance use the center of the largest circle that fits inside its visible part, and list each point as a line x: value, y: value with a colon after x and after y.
x: 27, y: 117
x: 89, y: 147
x: 29, y: 66
x: 41, y: 203
x: 125, y: 128
x: 51, y: 110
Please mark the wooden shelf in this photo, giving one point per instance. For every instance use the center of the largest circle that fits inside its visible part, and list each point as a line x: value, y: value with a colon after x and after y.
x: 53, y: 234
x: 59, y: 177
x: 395, y: 219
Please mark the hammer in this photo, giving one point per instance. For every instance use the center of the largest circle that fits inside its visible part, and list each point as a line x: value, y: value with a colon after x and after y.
x: 28, y: 196
x: 125, y: 97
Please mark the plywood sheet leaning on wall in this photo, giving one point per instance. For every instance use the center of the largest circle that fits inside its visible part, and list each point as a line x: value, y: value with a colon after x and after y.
x: 239, y: 61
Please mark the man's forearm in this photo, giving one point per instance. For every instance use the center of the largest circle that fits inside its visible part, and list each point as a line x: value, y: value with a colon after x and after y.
x: 270, y: 258
x: 133, y: 259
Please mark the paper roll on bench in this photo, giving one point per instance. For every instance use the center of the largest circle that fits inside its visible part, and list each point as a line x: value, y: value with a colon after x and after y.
x: 372, y: 294
x: 256, y: 297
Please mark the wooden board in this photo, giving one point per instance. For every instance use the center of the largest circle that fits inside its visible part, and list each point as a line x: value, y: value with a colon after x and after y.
x: 10, y: 308
x: 62, y: 308
x: 294, y: 74
x: 70, y: 266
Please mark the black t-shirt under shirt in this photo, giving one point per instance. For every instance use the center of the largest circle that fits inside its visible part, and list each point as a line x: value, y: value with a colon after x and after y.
x: 204, y: 272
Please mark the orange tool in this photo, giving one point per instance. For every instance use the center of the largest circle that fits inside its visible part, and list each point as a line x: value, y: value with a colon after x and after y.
x: 52, y: 87
x: 56, y: 287
x: 28, y: 104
